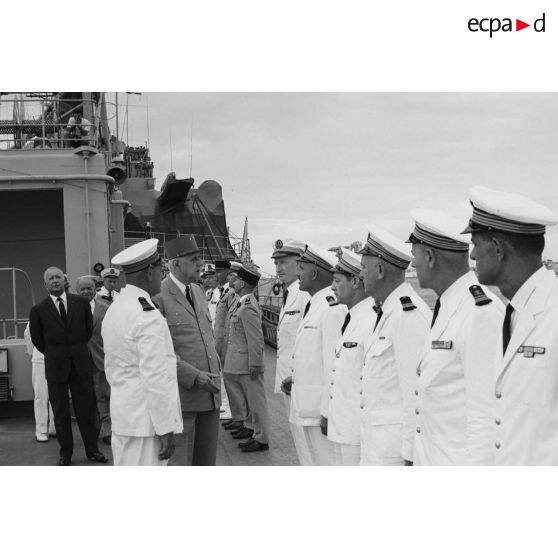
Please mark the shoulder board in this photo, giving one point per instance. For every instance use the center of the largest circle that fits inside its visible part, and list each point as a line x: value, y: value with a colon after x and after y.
x: 331, y: 301
x: 145, y: 305
x: 247, y: 301
x: 239, y: 304
x: 407, y: 303
x: 478, y: 294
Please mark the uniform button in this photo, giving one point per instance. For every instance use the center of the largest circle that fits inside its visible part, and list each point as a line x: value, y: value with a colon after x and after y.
x: 360, y: 392
x: 497, y: 444
x: 418, y: 429
x: 209, y: 358
x: 418, y: 372
x: 362, y: 406
x: 331, y: 396
x: 417, y: 412
x: 497, y: 421
x: 416, y: 391
x: 331, y: 383
x: 498, y: 394
x: 361, y: 377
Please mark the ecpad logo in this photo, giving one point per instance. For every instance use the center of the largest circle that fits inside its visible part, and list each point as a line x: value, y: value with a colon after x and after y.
x: 492, y: 25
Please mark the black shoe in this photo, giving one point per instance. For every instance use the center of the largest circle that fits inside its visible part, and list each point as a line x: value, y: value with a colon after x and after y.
x: 226, y: 422
x: 245, y: 443
x: 244, y: 433
x: 97, y: 456
x: 234, y: 425
x: 256, y: 446
x: 106, y: 440
x: 65, y: 461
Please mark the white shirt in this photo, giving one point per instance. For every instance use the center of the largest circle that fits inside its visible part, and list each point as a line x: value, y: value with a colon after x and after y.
x: 314, y: 353
x: 103, y: 291
x: 140, y: 366
x: 455, y: 386
x: 290, y: 317
x: 57, y: 304
x: 525, y: 396
x: 389, y: 378
x: 344, y: 386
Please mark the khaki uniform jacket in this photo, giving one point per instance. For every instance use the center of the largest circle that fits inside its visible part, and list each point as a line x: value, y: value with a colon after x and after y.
x: 245, y: 341
x: 193, y: 341
x: 455, y: 419
x: 221, y: 328
x: 525, y: 397
x: 140, y: 365
x: 389, y: 378
x: 290, y: 317
x: 96, y: 342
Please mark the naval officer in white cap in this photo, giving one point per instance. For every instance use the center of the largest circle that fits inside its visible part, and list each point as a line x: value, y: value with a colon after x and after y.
x: 285, y: 255
x: 388, y: 377
x: 508, y: 238
x: 317, y: 335
x: 343, y: 421
x: 108, y: 291
x: 140, y: 364
x: 454, y: 418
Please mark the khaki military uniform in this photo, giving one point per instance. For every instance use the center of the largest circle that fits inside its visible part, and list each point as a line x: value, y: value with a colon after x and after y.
x: 245, y: 349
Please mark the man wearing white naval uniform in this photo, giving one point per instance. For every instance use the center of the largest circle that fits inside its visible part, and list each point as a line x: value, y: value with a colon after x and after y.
x: 508, y: 238
x: 285, y: 254
x: 454, y: 417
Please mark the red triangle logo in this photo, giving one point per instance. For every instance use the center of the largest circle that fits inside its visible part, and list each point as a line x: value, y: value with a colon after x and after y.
x: 519, y: 25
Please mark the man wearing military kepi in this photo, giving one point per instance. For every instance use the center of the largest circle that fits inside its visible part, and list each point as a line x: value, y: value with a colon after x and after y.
x: 244, y: 359
x: 398, y: 335
x: 285, y: 254
x: 454, y: 418
x: 343, y: 421
x: 108, y: 291
x: 140, y: 364
x: 316, y: 338
x: 184, y: 305
x: 508, y: 238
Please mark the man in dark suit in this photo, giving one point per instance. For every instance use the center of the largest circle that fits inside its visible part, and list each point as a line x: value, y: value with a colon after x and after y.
x: 184, y: 305
x: 60, y: 326
x: 85, y: 286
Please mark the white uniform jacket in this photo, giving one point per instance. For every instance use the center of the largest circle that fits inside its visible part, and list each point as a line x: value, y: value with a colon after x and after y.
x: 213, y: 297
x: 456, y: 380
x: 314, y: 352
x: 389, y: 378
x: 140, y: 365
x: 290, y: 317
x: 526, y: 391
x: 344, y: 383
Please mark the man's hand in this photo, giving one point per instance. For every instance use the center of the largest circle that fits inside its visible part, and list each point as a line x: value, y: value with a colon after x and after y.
x: 323, y: 426
x: 255, y: 371
x: 287, y: 385
x: 167, y: 445
x: 205, y: 381
x: 408, y: 463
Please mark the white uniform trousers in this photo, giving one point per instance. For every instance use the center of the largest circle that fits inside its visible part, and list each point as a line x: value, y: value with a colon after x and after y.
x: 321, y: 449
x: 380, y: 444
x: 136, y: 450
x: 43, y: 410
x: 302, y: 450
x: 346, y: 454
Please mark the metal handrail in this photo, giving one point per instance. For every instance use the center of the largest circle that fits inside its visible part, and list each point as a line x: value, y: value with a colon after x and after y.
x: 15, y: 319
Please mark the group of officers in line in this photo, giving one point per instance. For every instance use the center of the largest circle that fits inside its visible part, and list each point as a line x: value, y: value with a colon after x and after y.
x: 369, y: 374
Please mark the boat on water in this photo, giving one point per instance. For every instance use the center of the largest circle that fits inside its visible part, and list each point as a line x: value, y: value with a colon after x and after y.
x: 72, y: 194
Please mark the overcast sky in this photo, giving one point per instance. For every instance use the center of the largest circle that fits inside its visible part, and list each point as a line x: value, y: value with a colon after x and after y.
x: 321, y: 166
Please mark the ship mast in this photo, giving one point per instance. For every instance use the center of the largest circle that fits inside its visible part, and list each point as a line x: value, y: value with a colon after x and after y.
x: 245, y: 255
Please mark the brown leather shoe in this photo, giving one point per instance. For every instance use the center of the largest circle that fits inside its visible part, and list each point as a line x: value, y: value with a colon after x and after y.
x: 255, y: 446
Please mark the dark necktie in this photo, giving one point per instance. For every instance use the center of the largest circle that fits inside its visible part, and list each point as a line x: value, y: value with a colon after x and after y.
x: 285, y: 295
x: 109, y: 297
x: 346, y: 322
x: 435, y: 315
x: 189, y: 295
x: 506, y: 328
x: 380, y: 312
x: 62, y: 309
x: 306, y: 310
